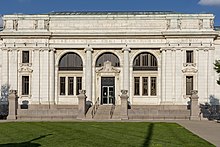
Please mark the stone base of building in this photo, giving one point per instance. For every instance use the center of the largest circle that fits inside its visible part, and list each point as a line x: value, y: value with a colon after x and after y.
x: 70, y: 112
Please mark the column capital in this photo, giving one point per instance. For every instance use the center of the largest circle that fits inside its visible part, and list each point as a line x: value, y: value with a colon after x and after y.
x: 52, y: 50
x: 163, y: 49
x: 88, y: 49
x: 126, y: 49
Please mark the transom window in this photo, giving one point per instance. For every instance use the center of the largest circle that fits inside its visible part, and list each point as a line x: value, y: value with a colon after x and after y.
x: 145, y: 61
x: 107, y: 57
x: 71, y: 62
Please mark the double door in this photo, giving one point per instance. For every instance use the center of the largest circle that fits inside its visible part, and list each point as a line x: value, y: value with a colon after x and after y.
x: 108, y: 90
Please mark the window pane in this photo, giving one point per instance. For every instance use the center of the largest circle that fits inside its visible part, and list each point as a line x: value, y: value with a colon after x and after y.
x: 70, y: 85
x: 108, y: 57
x: 145, y: 61
x: 145, y: 85
x: 136, y: 86
x: 78, y: 84
x: 25, y: 56
x: 189, y: 56
x: 71, y: 61
x: 153, y: 90
x: 25, y: 85
x: 189, y: 84
x: 62, y: 85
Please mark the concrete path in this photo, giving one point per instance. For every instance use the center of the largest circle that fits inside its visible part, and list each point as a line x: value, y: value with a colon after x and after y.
x: 208, y: 130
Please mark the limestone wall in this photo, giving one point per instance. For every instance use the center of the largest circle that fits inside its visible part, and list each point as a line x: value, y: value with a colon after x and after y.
x: 167, y: 37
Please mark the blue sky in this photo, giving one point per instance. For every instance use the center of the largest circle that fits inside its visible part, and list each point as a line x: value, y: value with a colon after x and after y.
x: 45, y: 6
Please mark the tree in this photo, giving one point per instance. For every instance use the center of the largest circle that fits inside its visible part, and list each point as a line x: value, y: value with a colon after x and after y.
x: 217, y: 68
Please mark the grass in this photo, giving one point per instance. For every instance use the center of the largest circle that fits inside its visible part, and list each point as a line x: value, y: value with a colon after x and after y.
x: 97, y: 134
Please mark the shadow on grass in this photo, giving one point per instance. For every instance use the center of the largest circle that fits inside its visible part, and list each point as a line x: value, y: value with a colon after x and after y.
x: 149, y: 135
x: 25, y: 144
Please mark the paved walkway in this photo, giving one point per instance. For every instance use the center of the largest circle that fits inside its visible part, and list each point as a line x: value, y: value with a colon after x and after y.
x: 208, y: 130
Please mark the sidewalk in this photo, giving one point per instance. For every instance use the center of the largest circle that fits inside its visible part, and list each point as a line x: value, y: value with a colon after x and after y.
x: 208, y: 130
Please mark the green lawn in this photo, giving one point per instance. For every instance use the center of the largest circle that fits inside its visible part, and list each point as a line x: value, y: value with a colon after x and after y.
x: 97, y: 134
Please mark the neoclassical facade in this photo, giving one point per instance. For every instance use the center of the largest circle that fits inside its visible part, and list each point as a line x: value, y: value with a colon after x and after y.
x: 159, y: 57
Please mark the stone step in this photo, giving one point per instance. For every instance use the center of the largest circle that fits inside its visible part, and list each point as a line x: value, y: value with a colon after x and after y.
x: 103, y: 112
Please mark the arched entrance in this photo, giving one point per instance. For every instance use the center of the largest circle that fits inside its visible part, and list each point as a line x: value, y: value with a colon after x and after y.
x: 107, y: 73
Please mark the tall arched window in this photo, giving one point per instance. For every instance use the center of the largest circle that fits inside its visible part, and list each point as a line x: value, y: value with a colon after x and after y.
x: 145, y: 61
x: 70, y: 78
x: 145, y: 84
x: 108, y: 57
x: 71, y: 61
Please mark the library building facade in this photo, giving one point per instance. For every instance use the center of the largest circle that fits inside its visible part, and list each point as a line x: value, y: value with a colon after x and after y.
x: 158, y: 58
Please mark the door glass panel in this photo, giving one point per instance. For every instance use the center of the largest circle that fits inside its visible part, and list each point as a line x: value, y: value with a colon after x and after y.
x: 111, y: 95
x: 105, y: 95
x: 108, y: 90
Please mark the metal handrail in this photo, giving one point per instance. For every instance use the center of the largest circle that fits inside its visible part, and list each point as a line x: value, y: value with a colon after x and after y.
x: 95, y: 107
x: 112, y: 110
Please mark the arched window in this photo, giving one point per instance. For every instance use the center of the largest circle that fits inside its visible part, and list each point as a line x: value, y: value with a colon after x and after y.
x: 145, y: 84
x: 145, y: 61
x: 108, y: 57
x: 71, y: 62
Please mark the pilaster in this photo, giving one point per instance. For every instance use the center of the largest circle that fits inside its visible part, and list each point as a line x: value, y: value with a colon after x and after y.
x: 5, y: 68
x: 88, y: 77
x: 13, y: 69
x: 163, y: 76
x: 52, y: 76
x: 126, y: 69
x: 36, y: 77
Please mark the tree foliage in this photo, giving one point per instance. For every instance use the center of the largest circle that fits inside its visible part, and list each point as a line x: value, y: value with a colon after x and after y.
x: 217, y: 68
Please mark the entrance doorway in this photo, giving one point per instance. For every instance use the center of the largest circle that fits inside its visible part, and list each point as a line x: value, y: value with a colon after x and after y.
x: 108, y: 90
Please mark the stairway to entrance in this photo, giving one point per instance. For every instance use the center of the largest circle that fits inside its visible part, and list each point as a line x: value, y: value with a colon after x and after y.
x: 103, y: 112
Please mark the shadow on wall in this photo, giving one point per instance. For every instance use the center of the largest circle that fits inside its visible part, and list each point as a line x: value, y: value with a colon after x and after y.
x: 211, y: 110
x: 27, y: 143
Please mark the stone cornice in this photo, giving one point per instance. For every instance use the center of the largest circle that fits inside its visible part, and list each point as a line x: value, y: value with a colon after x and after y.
x: 205, y: 48
x: 18, y: 34
x: 190, y: 34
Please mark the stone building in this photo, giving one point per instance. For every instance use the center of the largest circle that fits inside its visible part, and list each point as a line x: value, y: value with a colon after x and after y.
x: 159, y: 57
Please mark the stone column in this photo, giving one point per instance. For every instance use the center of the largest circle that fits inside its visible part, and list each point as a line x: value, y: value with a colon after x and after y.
x: 124, y: 104
x: 52, y: 77
x: 81, y: 104
x: 194, y: 109
x: 88, y: 77
x: 126, y: 69
x: 13, y: 105
x: 163, y: 76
